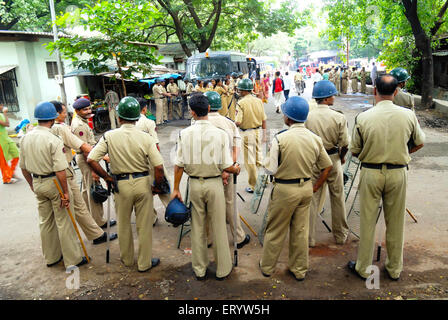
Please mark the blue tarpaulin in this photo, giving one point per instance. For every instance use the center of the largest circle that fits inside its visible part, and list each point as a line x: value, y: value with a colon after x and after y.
x: 150, y: 82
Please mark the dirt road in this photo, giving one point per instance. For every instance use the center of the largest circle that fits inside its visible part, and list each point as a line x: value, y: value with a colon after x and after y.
x: 23, y: 274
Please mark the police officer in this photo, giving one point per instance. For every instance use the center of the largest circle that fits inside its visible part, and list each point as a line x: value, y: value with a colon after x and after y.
x: 132, y: 153
x: 174, y: 108
x: 81, y: 129
x: 331, y: 127
x: 250, y: 118
x: 82, y: 214
x: 354, y: 77
x: 363, y: 75
x: 403, y: 98
x: 337, y: 79
x: 160, y: 96
x: 291, y: 158
x: 203, y: 153
x: 380, y: 138
x: 42, y: 160
x: 231, y: 91
x: 344, y: 77
x: 231, y: 129
x: 149, y: 126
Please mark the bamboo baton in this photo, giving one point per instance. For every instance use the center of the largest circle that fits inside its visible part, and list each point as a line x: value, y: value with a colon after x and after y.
x: 73, y: 221
x: 248, y: 225
x: 412, y: 216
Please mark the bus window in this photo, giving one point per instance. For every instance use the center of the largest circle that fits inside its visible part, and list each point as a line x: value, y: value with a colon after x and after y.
x: 210, y: 67
x: 243, y: 67
x: 235, y: 67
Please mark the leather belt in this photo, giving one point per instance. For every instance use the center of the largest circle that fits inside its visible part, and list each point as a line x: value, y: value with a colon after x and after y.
x: 204, y: 178
x: 333, y: 150
x: 380, y: 165
x: 44, y: 176
x: 135, y: 175
x: 251, y: 128
x: 291, y: 181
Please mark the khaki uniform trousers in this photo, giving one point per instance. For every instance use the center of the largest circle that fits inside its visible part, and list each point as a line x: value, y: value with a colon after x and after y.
x: 79, y: 208
x: 113, y: 117
x: 96, y: 209
x: 252, y: 154
x: 56, y: 229
x: 363, y: 87
x: 338, y: 85
x: 225, y: 106
x: 354, y: 85
x: 167, y: 115
x: 288, y: 209
x: 388, y: 185
x: 232, y: 109
x: 206, y: 196
x: 160, y: 116
x: 228, y: 195
x: 134, y: 195
x: 344, y: 86
x: 335, y: 183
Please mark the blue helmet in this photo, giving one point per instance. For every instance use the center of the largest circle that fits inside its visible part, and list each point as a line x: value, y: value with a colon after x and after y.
x: 45, y: 111
x: 176, y: 212
x: 324, y: 89
x: 81, y: 103
x: 296, y: 108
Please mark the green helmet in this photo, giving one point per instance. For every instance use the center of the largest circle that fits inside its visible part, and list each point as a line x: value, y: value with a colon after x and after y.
x: 400, y: 74
x: 245, y: 85
x: 129, y: 109
x: 214, y: 99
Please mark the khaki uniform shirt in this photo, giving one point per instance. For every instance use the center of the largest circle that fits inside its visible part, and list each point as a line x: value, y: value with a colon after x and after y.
x: 158, y: 90
x: 345, y: 75
x: 294, y: 153
x: 404, y: 99
x: 232, y: 85
x: 148, y: 126
x: 203, y: 150
x: 381, y: 134
x: 228, y: 126
x: 172, y: 88
x: 329, y: 125
x: 363, y: 75
x: 70, y: 140
x: 130, y: 150
x: 220, y: 90
x: 189, y: 88
x: 354, y: 75
x: 42, y: 152
x: 250, y: 112
x: 81, y: 129
x: 197, y: 88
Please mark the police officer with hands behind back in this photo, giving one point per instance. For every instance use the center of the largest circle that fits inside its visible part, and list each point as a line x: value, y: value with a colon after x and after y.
x: 293, y: 154
x: 132, y: 153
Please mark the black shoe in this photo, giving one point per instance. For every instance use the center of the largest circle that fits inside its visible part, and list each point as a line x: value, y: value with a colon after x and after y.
x: 298, y: 279
x: 103, y: 238
x: 154, y: 263
x: 83, y: 261
x: 278, y: 111
x: 112, y: 223
x: 351, y: 266
x: 244, y: 242
x: 225, y: 277
x: 390, y: 277
x: 264, y: 274
x: 209, y: 245
x: 201, y: 278
x: 55, y: 263
x: 157, y: 219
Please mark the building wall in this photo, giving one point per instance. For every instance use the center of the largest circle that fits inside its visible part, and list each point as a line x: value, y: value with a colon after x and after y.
x: 34, y: 85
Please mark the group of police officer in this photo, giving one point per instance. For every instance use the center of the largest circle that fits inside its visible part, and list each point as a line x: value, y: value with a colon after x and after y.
x: 302, y: 159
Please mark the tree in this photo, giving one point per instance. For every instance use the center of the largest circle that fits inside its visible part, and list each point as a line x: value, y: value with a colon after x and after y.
x: 221, y: 24
x: 408, y: 28
x: 32, y: 15
x: 112, y: 24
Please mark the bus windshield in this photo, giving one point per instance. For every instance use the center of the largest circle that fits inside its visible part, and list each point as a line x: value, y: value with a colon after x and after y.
x: 209, y: 67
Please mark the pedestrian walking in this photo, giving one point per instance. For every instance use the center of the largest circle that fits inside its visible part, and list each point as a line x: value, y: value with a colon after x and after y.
x: 287, y: 85
x: 277, y: 90
x: 332, y: 128
x: 132, y: 154
x: 373, y: 74
x: 380, y: 141
x: 291, y: 158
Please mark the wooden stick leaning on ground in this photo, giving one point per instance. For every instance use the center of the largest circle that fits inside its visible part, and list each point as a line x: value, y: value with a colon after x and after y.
x: 73, y: 221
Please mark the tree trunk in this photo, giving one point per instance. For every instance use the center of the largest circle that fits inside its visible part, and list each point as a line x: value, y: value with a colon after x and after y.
x: 424, y: 46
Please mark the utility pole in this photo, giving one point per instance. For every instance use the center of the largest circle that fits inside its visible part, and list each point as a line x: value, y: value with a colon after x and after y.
x: 60, y: 77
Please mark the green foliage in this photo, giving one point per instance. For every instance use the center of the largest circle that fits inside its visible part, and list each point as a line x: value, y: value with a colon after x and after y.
x: 112, y: 25
x: 33, y: 15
